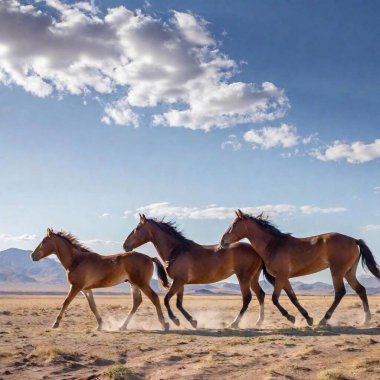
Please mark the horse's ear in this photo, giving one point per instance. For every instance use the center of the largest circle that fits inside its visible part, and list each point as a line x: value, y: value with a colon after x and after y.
x: 143, y: 218
x: 237, y: 214
x: 49, y: 232
x: 240, y: 214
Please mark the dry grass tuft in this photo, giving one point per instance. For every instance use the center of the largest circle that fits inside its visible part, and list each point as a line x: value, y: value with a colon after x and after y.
x: 332, y: 375
x: 120, y: 372
x: 52, y: 354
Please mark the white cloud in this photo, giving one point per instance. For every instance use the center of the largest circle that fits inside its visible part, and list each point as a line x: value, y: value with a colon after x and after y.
x: 164, y: 209
x: 371, y: 227
x: 376, y: 190
x: 308, y: 210
x: 126, y: 214
x: 100, y: 242
x: 24, y: 237
x: 232, y: 142
x: 174, y: 65
x: 270, y: 137
x: 354, y: 153
x: 105, y: 215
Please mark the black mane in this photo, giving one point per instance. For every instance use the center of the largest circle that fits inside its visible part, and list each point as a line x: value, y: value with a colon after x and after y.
x: 267, y: 225
x: 171, y: 229
x: 72, y: 240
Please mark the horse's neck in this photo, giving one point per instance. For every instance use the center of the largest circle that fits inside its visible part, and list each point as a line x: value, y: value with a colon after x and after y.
x: 66, y: 253
x: 165, y: 244
x: 260, y: 240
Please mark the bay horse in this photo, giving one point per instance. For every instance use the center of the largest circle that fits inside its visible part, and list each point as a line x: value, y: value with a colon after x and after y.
x: 88, y: 270
x: 286, y: 257
x: 190, y: 263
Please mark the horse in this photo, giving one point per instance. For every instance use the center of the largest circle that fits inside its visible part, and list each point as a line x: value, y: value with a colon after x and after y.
x: 88, y: 270
x: 190, y: 263
x: 286, y: 257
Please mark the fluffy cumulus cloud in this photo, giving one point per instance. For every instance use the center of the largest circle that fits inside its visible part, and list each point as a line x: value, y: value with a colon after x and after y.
x: 354, y: 153
x: 96, y: 242
x: 269, y: 137
x: 165, y: 209
x: 372, y: 227
x: 24, y: 237
x: 175, y: 65
x: 232, y: 142
x: 376, y: 190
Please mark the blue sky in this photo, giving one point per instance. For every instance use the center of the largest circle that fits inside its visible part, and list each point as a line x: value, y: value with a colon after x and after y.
x: 189, y: 110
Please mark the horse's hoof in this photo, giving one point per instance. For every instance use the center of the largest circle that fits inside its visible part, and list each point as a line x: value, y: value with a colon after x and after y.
x: 194, y: 323
x: 292, y: 318
x: 233, y: 326
x: 99, y: 328
x: 310, y: 321
x: 176, y: 321
x: 166, y: 326
x: 258, y: 323
x: 322, y: 322
x: 55, y: 325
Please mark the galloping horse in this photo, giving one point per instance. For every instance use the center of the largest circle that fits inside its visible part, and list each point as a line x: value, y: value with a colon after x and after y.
x: 285, y: 257
x: 87, y: 270
x: 191, y: 263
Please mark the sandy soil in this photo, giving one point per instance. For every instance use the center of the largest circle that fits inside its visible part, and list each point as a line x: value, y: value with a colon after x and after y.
x: 30, y: 349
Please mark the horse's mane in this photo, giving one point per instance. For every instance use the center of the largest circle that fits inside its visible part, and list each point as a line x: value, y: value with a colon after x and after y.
x: 171, y: 229
x: 72, y: 240
x: 267, y: 225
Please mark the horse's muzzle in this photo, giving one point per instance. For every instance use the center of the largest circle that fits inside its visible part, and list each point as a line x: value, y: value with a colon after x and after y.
x: 127, y: 247
x: 36, y: 256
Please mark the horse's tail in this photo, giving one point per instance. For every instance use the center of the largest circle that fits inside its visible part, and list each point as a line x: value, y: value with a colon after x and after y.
x: 367, y: 258
x: 161, y: 273
x: 268, y: 276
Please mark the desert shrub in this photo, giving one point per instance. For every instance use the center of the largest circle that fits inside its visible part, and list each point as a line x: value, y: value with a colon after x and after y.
x: 120, y: 372
x: 332, y: 375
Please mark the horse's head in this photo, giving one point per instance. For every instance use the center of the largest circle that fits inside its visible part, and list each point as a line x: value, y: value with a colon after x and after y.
x: 139, y: 236
x: 236, y: 231
x: 45, y: 248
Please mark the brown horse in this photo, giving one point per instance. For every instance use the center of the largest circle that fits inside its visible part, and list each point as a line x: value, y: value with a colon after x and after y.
x: 87, y: 270
x: 190, y: 263
x: 285, y: 257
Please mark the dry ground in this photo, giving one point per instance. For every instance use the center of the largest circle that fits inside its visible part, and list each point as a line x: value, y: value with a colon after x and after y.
x: 30, y: 349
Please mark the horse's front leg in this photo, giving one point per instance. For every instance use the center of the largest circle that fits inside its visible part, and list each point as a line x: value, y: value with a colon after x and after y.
x: 177, y: 284
x: 192, y: 321
x: 278, y: 286
x: 74, y: 290
x: 247, y: 297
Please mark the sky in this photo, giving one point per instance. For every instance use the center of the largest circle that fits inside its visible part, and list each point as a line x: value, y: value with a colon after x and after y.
x: 188, y: 110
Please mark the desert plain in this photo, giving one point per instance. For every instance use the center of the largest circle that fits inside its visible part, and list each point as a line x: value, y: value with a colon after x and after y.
x: 31, y: 349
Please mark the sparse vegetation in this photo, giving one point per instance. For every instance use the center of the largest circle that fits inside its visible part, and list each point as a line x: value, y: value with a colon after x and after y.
x: 120, y: 372
x: 332, y: 375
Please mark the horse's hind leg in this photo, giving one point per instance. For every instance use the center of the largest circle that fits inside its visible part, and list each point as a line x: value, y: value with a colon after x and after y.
x: 247, y: 297
x: 278, y: 286
x: 192, y: 321
x: 151, y: 294
x: 260, y: 294
x: 360, y: 290
x: 91, y: 302
x: 137, y: 299
x: 340, y: 291
x: 293, y: 298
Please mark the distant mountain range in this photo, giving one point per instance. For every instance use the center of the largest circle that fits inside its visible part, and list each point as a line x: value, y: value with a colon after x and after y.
x: 18, y: 273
